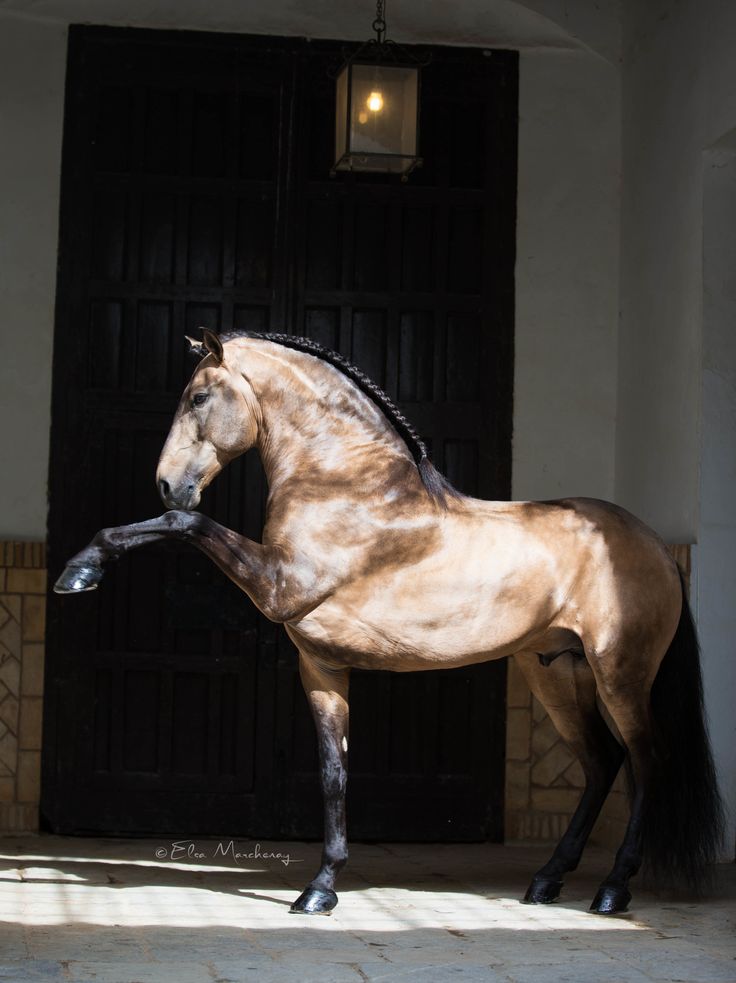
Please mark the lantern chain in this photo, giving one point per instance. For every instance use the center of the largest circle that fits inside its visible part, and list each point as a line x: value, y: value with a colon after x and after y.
x: 379, y: 24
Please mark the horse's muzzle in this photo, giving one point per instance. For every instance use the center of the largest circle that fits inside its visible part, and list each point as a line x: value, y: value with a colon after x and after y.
x: 184, y: 496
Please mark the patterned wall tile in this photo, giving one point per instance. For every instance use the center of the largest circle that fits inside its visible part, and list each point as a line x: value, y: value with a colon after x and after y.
x: 9, y: 708
x: 22, y: 629
x: 8, y: 751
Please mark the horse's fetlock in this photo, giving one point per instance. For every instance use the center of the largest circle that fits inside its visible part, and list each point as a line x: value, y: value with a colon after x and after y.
x: 335, y: 859
x: 102, y: 539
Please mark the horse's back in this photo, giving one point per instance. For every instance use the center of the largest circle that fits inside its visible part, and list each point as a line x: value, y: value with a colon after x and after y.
x: 582, y: 529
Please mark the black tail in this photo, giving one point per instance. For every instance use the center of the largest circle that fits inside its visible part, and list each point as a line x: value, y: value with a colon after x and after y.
x: 682, y: 828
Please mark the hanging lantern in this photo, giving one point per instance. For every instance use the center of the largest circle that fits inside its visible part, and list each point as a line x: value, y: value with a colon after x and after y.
x: 377, y: 116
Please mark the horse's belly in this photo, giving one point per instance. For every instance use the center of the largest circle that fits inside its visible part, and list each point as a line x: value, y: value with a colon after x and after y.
x: 415, y: 624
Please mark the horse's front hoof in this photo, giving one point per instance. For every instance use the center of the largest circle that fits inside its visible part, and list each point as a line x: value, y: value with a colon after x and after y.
x: 611, y: 900
x: 76, y: 579
x: 542, y: 892
x: 314, y: 901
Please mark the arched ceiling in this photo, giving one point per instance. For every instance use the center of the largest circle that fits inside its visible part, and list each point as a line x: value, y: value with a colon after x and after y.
x: 571, y: 24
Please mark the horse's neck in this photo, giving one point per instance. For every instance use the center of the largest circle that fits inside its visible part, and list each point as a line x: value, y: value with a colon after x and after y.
x: 320, y: 432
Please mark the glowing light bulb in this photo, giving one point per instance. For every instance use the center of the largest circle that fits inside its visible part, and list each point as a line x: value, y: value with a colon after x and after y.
x: 362, y: 117
x: 375, y: 102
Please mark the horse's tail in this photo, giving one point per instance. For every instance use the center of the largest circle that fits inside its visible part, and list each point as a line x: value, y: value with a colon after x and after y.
x: 683, y: 820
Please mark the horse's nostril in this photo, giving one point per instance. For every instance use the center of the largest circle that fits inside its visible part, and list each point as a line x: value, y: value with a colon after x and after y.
x: 163, y: 487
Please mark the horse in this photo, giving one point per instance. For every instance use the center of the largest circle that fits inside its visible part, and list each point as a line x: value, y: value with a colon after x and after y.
x: 370, y: 558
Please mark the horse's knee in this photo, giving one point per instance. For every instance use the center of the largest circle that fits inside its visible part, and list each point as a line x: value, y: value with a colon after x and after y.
x: 184, y: 523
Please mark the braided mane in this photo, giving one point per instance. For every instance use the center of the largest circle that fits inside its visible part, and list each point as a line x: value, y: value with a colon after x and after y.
x: 437, y: 485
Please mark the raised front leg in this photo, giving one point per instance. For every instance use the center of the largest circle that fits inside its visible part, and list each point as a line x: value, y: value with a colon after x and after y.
x: 261, y: 571
x: 327, y: 692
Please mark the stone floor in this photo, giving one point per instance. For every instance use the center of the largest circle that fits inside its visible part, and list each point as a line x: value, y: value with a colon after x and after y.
x: 147, y: 911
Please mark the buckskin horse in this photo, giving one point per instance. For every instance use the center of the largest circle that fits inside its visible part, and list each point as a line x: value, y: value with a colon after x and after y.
x: 371, y: 559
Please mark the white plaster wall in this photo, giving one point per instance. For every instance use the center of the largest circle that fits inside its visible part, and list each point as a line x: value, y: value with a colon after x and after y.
x: 566, y: 276
x: 678, y: 97
x: 32, y: 61
x: 716, y: 550
x: 675, y: 463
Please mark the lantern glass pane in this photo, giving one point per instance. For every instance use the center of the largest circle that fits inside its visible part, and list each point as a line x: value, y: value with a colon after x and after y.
x: 383, y: 110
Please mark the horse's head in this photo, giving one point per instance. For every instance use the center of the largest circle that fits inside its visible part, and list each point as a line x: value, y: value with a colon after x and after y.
x: 216, y: 420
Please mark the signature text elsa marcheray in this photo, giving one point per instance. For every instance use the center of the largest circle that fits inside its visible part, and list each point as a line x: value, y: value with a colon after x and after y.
x: 189, y: 850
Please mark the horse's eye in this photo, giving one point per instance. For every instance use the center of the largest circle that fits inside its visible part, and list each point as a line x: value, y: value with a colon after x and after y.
x: 200, y: 398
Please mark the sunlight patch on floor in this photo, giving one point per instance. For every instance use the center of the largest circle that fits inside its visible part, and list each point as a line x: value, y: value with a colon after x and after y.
x: 49, y: 895
x: 120, y: 862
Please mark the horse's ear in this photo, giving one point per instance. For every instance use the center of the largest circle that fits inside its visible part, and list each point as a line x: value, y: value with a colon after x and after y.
x: 213, y: 345
x: 196, y: 347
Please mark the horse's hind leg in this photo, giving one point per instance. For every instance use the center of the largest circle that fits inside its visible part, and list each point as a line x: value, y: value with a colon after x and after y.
x: 567, y: 690
x: 630, y: 709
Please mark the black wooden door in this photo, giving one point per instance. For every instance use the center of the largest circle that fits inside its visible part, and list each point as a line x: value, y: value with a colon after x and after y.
x: 196, y: 191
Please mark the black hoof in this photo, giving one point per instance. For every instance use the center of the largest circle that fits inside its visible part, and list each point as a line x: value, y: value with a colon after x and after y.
x: 76, y: 579
x: 611, y: 900
x: 542, y: 892
x: 314, y: 901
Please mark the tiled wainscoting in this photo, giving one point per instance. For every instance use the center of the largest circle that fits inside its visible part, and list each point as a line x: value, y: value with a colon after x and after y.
x: 543, y: 781
x: 22, y: 629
